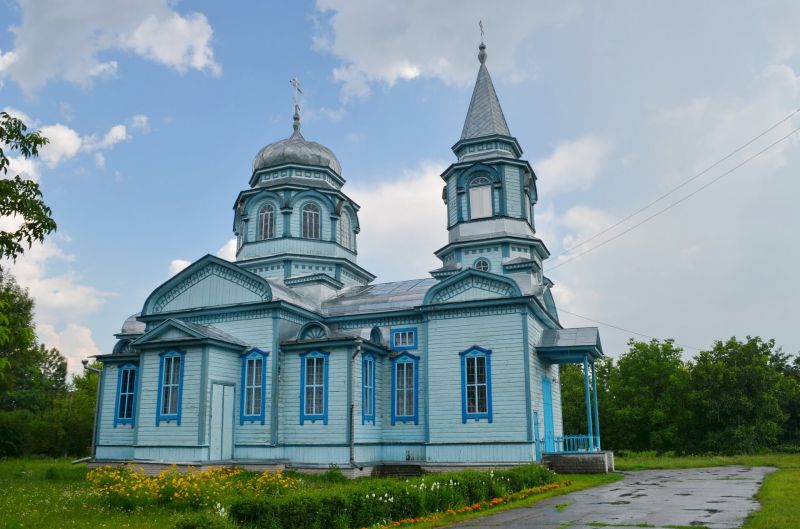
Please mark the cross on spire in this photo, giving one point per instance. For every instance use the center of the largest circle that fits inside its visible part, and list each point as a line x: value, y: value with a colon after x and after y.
x: 295, y: 82
x: 480, y: 25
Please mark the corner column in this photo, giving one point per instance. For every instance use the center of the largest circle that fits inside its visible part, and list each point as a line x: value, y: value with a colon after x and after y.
x: 596, y: 414
x: 588, y: 401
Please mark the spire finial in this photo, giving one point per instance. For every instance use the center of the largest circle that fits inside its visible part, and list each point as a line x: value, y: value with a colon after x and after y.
x: 295, y: 82
x: 482, y: 47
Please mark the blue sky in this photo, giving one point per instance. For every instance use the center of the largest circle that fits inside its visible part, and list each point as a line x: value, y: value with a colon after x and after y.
x: 155, y: 111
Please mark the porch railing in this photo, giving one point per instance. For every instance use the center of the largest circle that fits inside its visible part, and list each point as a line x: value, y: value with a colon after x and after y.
x: 574, y: 444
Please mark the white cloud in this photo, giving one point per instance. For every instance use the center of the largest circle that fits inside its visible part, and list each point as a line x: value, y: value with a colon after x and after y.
x: 64, y: 144
x: 386, y: 42
x: 115, y: 134
x: 140, y: 122
x: 176, y: 265
x: 26, y: 168
x: 99, y: 160
x: 63, y: 40
x: 228, y: 250
x: 74, y: 341
x: 402, y: 223
x: 574, y: 165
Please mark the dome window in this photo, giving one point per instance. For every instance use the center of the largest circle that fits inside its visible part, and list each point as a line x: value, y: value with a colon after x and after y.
x: 480, y: 198
x: 311, y: 220
x: 482, y: 264
x: 346, y: 230
x: 266, y: 222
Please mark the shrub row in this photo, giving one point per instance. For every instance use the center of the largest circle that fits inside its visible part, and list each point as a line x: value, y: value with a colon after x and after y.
x: 368, y: 501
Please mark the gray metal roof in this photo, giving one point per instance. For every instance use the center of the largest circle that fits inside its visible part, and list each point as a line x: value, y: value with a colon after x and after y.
x: 209, y: 331
x: 296, y: 149
x: 484, y: 117
x: 132, y: 325
x: 578, y: 337
x: 379, y: 297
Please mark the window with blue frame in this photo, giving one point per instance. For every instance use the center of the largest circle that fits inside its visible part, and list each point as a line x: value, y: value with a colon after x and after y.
x: 170, y: 387
x: 314, y: 387
x: 368, y: 389
x: 254, y: 386
x: 404, y: 388
x: 126, y: 395
x: 476, y: 384
x: 404, y: 339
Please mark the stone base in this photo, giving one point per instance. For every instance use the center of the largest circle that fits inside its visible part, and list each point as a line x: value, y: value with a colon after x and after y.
x: 585, y: 463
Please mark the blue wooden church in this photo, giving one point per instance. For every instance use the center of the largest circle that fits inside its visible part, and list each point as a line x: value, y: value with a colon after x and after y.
x: 294, y: 355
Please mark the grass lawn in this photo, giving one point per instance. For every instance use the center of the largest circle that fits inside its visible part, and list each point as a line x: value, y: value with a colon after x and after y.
x: 778, y: 495
x: 44, y: 493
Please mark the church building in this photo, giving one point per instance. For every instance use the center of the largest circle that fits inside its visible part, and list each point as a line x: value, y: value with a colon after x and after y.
x: 295, y: 355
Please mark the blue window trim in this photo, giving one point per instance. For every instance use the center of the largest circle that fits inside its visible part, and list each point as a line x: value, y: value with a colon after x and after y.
x: 132, y: 419
x: 324, y: 415
x: 365, y: 417
x: 410, y: 347
x: 488, y: 262
x: 405, y: 358
x: 172, y: 416
x: 476, y: 352
x: 243, y: 417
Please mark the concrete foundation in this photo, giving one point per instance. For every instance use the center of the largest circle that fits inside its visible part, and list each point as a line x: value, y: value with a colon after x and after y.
x: 585, y: 463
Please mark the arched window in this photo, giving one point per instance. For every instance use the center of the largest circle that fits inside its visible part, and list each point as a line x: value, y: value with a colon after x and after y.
x: 482, y: 265
x: 266, y: 222
x: 311, y: 218
x: 345, y: 231
x: 480, y: 198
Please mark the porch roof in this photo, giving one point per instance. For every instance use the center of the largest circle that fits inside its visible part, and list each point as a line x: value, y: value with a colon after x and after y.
x: 570, y: 346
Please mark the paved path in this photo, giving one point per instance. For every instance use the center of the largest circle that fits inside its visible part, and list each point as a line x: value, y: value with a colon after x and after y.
x: 716, y: 498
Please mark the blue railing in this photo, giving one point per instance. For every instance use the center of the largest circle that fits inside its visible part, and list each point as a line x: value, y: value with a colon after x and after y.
x: 567, y: 444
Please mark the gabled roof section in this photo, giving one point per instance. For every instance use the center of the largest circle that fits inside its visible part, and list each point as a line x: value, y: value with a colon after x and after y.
x: 484, y: 117
x: 201, y: 285
x: 472, y: 285
x: 174, y: 331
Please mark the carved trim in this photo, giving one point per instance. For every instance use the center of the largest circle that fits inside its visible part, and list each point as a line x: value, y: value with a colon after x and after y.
x: 253, y: 285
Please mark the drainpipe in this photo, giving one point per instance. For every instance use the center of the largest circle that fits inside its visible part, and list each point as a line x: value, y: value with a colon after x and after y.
x: 352, y: 425
x: 85, y: 363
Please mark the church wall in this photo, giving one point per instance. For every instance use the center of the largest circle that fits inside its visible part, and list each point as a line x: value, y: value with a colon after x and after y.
x: 291, y: 432
x: 169, y: 434
x: 538, y: 369
x: 113, y: 440
x: 499, y: 333
x: 211, y: 291
x: 493, y: 253
x: 224, y: 367
x: 372, y: 432
x: 322, y: 247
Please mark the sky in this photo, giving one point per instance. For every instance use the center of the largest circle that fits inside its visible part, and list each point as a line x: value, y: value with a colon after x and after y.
x: 155, y: 109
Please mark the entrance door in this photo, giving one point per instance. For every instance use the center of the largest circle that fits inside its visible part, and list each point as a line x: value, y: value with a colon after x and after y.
x: 221, y: 442
x: 549, y: 431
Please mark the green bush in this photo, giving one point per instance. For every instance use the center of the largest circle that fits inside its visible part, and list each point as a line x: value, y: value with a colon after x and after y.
x: 365, y: 502
x: 200, y: 520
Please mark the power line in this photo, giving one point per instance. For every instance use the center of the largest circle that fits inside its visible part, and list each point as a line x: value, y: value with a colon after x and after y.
x: 625, y: 330
x: 683, y: 199
x: 679, y: 186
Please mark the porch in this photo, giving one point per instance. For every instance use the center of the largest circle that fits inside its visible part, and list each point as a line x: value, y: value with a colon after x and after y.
x: 571, y: 346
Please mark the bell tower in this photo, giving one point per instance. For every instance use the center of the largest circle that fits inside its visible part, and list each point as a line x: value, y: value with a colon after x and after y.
x: 490, y: 192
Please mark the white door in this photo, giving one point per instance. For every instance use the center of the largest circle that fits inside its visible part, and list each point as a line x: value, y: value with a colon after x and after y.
x: 221, y: 443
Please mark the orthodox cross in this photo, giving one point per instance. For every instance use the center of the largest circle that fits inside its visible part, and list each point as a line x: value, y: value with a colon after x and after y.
x: 295, y: 82
x: 480, y: 24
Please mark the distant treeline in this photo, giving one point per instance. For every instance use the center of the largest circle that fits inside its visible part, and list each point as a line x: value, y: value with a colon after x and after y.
x: 737, y: 397
x: 40, y: 413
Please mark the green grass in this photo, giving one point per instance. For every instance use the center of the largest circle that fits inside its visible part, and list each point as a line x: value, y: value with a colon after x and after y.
x: 778, y: 495
x: 39, y: 493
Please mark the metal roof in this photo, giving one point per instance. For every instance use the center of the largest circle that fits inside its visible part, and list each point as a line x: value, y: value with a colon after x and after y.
x: 132, y: 325
x: 379, y: 297
x: 484, y: 117
x: 579, y: 337
x: 296, y: 149
x: 209, y: 331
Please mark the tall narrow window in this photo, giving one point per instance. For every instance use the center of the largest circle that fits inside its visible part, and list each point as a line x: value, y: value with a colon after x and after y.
x: 266, y: 222
x: 480, y: 198
x: 404, y: 388
x: 170, y: 387
x: 313, y: 387
x: 254, y: 383
x: 345, y: 230
x: 368, y: 389
x: 126, y: 395
x: 311, y: 221
x: 476, y: 386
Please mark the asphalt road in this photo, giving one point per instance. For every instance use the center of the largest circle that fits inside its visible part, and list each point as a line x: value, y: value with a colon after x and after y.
x: 716, y: 498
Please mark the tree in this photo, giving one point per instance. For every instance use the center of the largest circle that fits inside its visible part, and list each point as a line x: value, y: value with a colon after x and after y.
x: 18, y: 339
x: 735, y: 397
x: 19, y: 198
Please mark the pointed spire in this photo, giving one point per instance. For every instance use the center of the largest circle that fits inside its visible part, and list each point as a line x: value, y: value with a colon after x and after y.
x: 484, y: 117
